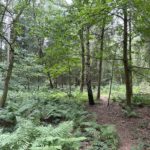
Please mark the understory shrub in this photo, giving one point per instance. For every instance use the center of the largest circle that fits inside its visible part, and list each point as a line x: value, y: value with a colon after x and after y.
x: 141, y: 99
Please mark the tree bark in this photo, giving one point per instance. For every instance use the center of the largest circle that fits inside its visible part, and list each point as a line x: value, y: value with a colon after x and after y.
x: 82, y: 59
x: 88, y: 69
x: 130, y: 52
x: 50, y: 81
x: 111, y: 81
x: 11, y: 43
x: 100, y: 62
x: 70, y: 90
x: 7, y: 79
x: 55, y: 83
x: 101, y: 57
x: 125, y: 59
x: 40, y: 48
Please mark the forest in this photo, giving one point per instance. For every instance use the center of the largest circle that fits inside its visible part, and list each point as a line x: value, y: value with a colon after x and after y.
x: 74, y: 75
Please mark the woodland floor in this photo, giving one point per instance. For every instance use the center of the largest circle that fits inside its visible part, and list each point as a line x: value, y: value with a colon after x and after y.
x: 130, y: 130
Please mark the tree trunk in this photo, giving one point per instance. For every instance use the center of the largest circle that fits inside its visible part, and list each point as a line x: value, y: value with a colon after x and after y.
x: 41, y: 55
x: 88, y: 71
x: 100, y: 63
x: 101, y: 59
x: 11, y: 57
x: 70, y: 90
x: 10, y: 61
x: 7, y: 79
x: 83, y: 59
x: 55, y: 82
x: 130, y: 52
x: 111, y: 81
x: 125, y: 60
x: 50, y: 81
x: 40, y: 48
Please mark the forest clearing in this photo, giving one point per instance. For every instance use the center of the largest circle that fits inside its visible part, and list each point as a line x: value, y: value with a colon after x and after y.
x: 74, y: 75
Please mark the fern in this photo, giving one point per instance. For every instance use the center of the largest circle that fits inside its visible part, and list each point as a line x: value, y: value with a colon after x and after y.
x: 128, y: 112
x: 28, y: 136
x: 48, y: 124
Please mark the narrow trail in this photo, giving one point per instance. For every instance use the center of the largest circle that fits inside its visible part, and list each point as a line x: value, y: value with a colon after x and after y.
x: 130, y: 130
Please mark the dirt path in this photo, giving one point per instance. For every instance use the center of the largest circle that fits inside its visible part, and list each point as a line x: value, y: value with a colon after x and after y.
x: 130, y: 130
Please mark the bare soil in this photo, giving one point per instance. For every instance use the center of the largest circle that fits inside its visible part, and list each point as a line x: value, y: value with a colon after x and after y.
x: 131, y: 131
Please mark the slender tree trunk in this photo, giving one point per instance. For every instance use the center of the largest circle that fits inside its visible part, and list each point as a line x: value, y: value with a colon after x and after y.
x: 50, y: 81
x: 70, y: 81
x: 125, y: 60
x: 100, y: 63
x: 7, y: 46
x: 3, y: 14
x: 11, y: 58
x: 7, y: 79
x: 82, y: 58
x: 56, y: 83
x: 88, y: 69
x: 111, y: 81
x: 130, y: 52
x: 101, y: 59
x: 10, y: 61
x: 41, y: 55
x: 40, y: 47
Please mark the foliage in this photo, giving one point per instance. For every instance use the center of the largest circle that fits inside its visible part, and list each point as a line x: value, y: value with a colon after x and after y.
x: 41, y: 49
x: 53, y: 121
x: 7, y: 119
x: 129, y: 112
x: 103, y: 136
x: 29, y: 136
x: 141, y: 99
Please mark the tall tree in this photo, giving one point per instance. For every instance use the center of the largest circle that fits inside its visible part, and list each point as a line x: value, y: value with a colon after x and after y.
x: 127, y: 68
x: 130, y: 49
x: 11, y: 43
x: 81, y: 34
x: 101, y: 59
x: 88, y: 68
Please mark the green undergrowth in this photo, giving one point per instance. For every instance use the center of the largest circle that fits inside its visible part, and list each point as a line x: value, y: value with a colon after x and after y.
x: 141, y: 99
x: 138, y: 100
x: 56, y: 94
x: 141, y: 94
x: 53, y: 121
